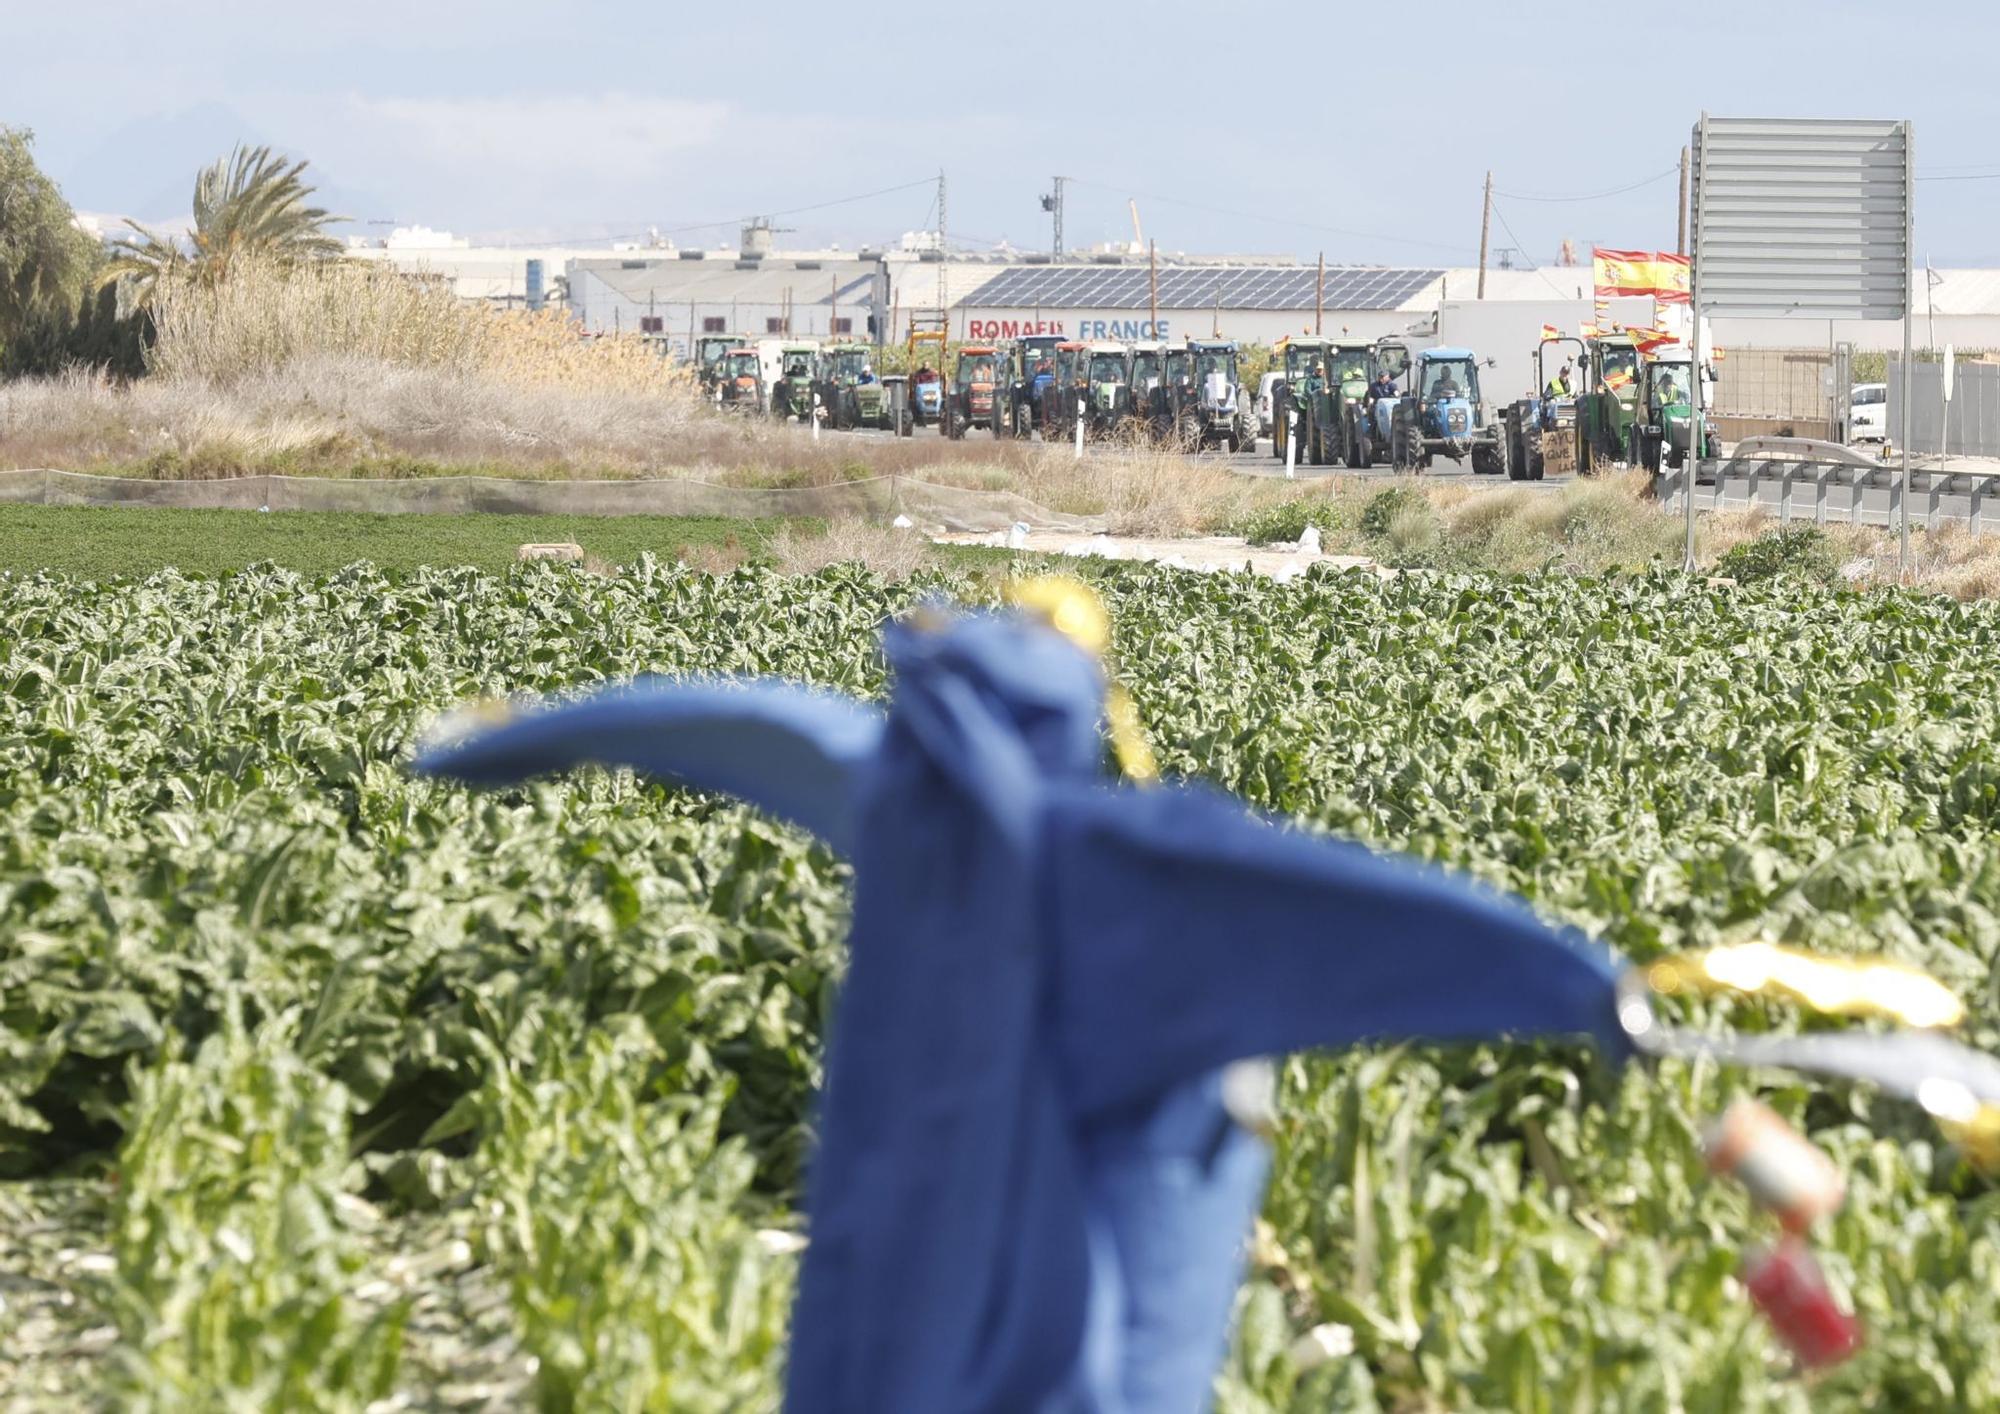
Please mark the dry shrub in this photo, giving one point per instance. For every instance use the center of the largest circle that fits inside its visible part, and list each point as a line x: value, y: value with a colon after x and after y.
x: 711, y: 558
x: 889, y: 552
x: 263, y: 315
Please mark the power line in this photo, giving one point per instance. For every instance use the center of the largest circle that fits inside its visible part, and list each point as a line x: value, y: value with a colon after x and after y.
x: 1518, y: 245
x: 1595, y: 196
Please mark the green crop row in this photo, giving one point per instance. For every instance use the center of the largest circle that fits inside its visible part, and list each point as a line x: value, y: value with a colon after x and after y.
x: 381, y: 1084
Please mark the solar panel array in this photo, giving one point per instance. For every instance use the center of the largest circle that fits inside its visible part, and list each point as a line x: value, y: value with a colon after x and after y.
x: 1197, y: 287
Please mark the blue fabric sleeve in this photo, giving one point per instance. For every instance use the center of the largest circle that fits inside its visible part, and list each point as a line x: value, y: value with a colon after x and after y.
x: 1193, y: 933
x: 791, y: 750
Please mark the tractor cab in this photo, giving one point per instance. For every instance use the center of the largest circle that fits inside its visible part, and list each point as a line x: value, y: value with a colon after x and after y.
x: 798, y: 371
x: 1148, y: 369
x: 1297, y: 357
x: 1213, y: 396
x: 845, y: 365
x: 1665, y: 411
x: 1068, y: 387
x: 1107, y: 376
x: 981, y: 391
x: 1440, y: 413
x: 709, y: 352
x: 1607, y: 404
x: 739, y: 380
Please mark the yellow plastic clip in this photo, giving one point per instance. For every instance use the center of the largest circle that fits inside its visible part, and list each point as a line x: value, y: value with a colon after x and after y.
x: 1079, y: 615
x: 1835, y: 985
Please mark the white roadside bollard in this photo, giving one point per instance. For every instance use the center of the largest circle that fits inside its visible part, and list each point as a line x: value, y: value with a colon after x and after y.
x: 1291, y: 445
x: 1079, y: 431
x: 1017, y: 535
x: 815, y: 417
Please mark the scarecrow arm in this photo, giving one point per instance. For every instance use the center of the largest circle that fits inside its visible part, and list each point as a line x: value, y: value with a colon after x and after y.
x: 790, y: 750
x: 1190, y: 933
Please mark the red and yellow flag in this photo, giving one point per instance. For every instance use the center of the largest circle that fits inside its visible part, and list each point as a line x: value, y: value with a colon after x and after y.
x: 1650, y: 340
x: 1658, y: 274
x: 1549, y: 331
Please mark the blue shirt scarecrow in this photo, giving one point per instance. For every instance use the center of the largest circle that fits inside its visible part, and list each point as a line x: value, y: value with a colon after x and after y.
x: 1032, y: 1192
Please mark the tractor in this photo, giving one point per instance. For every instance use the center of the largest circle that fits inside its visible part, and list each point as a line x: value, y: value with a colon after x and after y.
x: 1146, y: 384
x: 1068, y: 390
x: 709, y: 352
x: 1664, y: 413
x: 1440, y: 412
x: 1540, y: 429
x: 1034, y: 375
x: 1204, y: 397
x: 792, y: 392
x: 1333, y: 420
x: 1107, y: 378
x: 739, y: 385
x: 1607, y: 406
x: 981, y: 395
x: 1296, y: 359
x: 849, y: 390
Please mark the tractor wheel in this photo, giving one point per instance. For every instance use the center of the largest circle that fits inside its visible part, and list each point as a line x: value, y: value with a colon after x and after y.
x: 1362, y: 455
x: 1517, y: 451
x: 1024, y: 422
x: 1399, y: 445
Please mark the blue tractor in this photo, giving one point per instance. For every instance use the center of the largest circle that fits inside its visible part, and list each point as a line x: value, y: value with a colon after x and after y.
x: 1436, y: 410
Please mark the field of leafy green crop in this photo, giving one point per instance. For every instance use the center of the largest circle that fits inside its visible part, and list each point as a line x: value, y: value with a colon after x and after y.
x: 320, y: 1084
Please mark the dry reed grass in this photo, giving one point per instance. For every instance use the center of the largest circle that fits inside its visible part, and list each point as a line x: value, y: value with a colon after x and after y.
x: 890, y: 552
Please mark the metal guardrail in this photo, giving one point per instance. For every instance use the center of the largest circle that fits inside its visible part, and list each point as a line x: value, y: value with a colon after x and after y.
x: 1823, y: 484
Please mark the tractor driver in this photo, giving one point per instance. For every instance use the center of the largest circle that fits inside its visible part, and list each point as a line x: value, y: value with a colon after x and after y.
x: 1559, y: 386
x: 1670, y: 391
x: 1383, y: 387
x: 1446, y: 388
x: 867, y: 374
x: 1316, y: 381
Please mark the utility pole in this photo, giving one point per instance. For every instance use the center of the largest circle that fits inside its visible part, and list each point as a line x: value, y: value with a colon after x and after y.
x: 1053, y: 204
x: 1485, y: 228
x: 833, y: 309
x: 944, y: 309
x: 1319, y: 294
x: 1153, y: 286
x: 1681, y: 211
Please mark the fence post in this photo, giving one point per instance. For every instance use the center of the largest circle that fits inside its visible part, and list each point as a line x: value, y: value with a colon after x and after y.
x: 1819, y: 494
x: 1978, y: 492
x: 1079, y: 431
x: 1785, y: 496
x: 1291, y: 443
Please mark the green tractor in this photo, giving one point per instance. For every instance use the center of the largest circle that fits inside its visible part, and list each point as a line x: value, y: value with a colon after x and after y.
x: 1607, y: 403
x: 710, y: 351
x: 1666, y: 412
x: 1339, y: 418
x: 793, y: 392
x: 850, y: 391
x: 1295, y: 357
x: 1107, y: 376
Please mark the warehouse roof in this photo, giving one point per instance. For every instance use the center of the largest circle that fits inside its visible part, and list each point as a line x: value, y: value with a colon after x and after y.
x: 1198, y: 287
x: 720, y: 281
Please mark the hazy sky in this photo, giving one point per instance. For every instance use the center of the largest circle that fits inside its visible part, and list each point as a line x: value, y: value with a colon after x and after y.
x: 1290, y: 128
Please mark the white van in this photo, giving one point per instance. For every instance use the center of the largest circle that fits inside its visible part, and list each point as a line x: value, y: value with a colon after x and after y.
x: 1868, y: 419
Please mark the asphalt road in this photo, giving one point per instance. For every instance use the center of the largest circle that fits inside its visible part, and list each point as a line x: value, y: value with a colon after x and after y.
x: 1262, y: 463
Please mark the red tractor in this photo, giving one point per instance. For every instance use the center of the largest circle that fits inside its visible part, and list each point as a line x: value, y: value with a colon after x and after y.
x: 981, y: 393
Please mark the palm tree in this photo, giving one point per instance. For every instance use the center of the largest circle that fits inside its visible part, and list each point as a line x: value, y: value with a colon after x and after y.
x: 250, y: 203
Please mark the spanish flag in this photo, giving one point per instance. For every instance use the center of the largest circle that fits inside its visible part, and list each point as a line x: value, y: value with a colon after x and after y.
x: 1622, y: 273
x: 1549, y: 331
x: 1651, y: 340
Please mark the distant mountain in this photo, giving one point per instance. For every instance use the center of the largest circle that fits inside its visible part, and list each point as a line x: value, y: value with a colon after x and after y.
x: 147, y: 166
